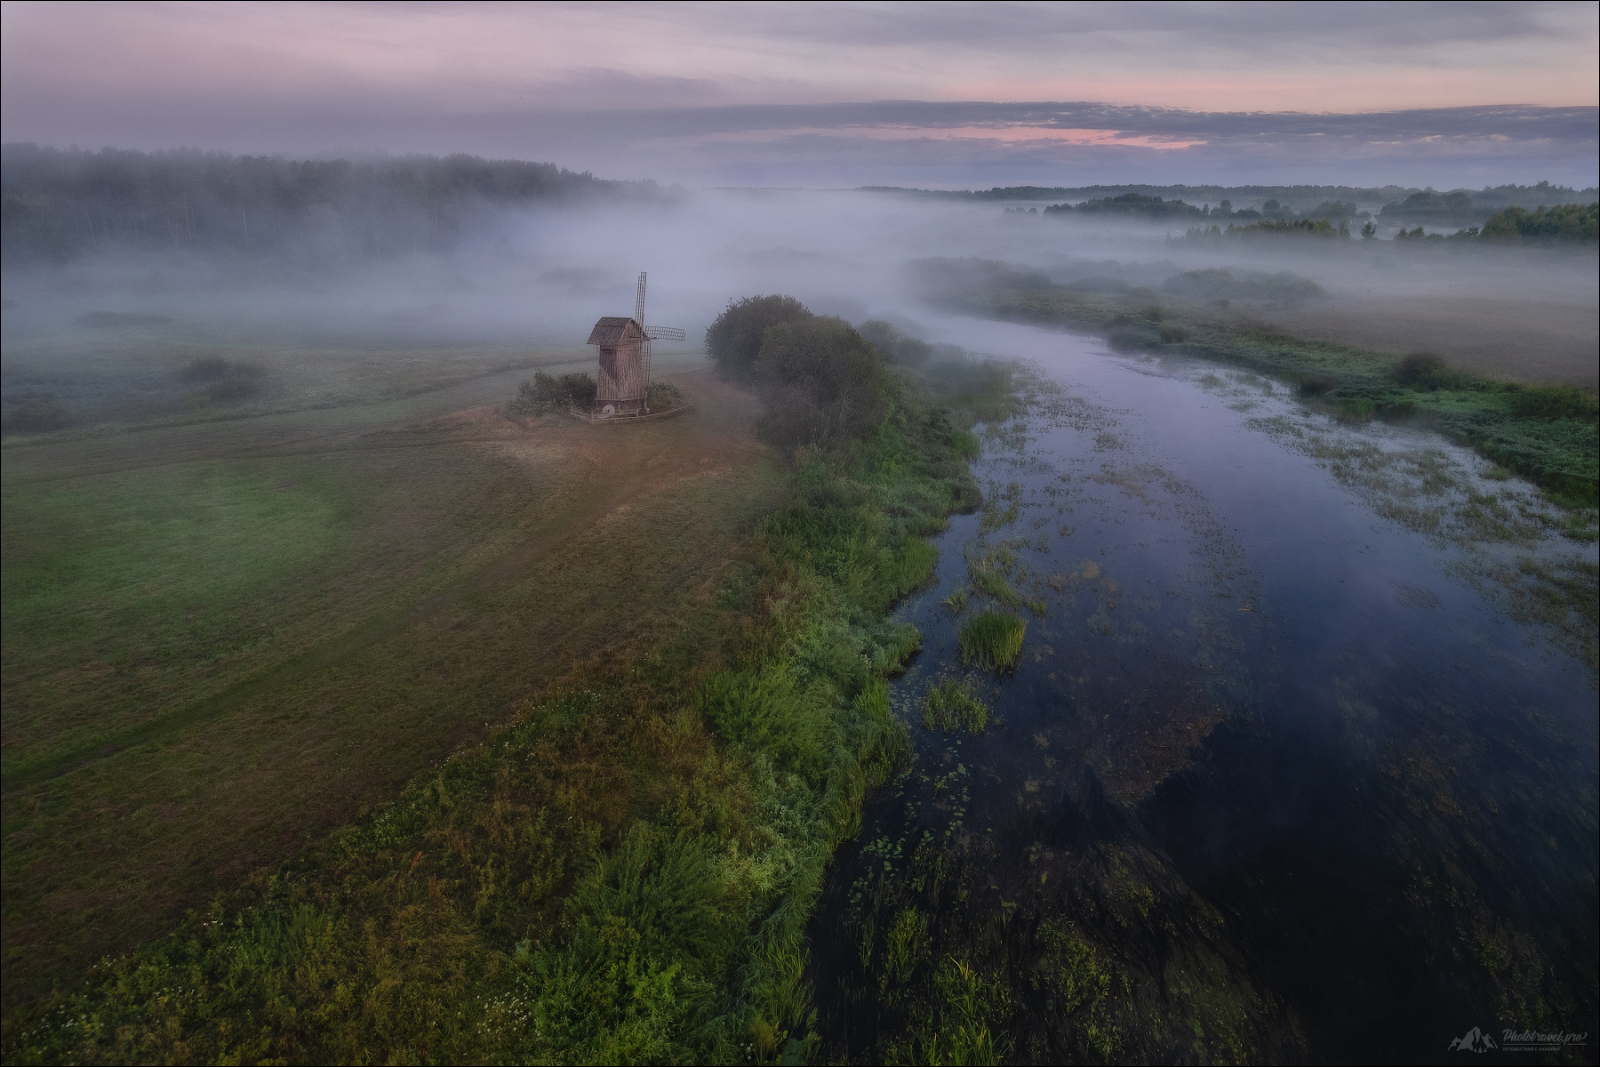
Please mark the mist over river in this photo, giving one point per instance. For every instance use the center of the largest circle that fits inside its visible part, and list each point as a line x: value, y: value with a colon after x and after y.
x: 1294, y: 761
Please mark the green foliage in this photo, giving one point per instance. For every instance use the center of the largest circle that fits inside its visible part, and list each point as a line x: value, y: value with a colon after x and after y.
x: 993, y: 640
x: 821, y: 382
x: 1320, y: 227
x: 1549, y: 435
x: 548, y: 394
x: 1423, y: 370
x: 664, y: 396
x: 1429, y: 206
x: 59, y: 203
x: 896, y: 347
x: 1564, y: 222
x: 622, y: 875
x: 954, y: 703
x: 1150, y: 207
x: 1214, y: 283
x: 734, y: 338
x: 223, y: 380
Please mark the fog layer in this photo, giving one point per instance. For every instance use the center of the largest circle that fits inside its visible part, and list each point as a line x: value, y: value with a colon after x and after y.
x: 518, y: 280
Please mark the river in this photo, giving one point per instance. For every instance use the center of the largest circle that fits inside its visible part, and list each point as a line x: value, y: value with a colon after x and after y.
x: 1299, y: 761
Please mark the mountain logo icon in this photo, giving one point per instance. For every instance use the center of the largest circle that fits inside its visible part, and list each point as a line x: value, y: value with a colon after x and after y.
x: 1473, y: 1040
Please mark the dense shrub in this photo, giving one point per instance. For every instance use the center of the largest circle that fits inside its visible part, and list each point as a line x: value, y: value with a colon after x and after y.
x: 821, y: 382
x: 221, y: 379
x: 547, y: 395
x: 1553, y: 402
x: 734, y: 339
x: 896, y: 347
x: 664, y: 396
x: 1423, y: 370
x: 1564, y: 222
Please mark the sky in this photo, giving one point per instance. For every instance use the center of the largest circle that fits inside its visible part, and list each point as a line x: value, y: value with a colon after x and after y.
x: 947, y: 95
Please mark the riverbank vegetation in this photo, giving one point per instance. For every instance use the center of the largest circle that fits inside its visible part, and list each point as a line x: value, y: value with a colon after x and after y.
x: 622, y: 870
x: 1545, y: 433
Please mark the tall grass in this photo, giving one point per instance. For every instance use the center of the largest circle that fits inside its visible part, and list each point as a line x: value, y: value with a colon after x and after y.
x: 624, y: 874
x: 951, y: 704
x: 993, y: 641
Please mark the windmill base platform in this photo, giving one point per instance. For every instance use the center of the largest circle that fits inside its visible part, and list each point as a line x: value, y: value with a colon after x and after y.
x: 624, y: 418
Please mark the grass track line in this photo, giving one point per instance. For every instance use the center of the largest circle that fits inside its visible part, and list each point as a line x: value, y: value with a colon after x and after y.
x: 315, y: 660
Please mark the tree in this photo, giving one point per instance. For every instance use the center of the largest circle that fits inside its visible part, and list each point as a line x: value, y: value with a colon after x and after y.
x: 1369, y: 231
x: 821, y: 381
x: 734, y: 339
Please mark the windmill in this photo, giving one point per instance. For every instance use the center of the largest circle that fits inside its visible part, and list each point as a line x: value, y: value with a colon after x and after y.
x: 623, y: 385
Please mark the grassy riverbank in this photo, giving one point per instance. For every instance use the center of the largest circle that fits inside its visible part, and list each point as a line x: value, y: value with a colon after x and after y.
x: 1545, y: 433
x: 620, y: 872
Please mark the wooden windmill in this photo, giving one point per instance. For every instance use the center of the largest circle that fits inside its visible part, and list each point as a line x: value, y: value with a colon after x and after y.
x: 624, y: 344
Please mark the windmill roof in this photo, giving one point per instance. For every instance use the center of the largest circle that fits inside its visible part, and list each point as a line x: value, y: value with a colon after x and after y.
x: 611, y: 329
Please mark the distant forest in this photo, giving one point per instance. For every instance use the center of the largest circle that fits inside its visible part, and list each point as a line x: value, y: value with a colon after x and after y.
x: 1394, y: 202
x: 59, y: 203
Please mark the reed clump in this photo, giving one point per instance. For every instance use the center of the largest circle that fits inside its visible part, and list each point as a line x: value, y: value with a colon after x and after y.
x: 952, y: 704
x: 993, y: 641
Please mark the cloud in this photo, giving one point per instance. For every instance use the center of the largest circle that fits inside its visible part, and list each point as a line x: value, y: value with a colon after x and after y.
x: 947, y: 93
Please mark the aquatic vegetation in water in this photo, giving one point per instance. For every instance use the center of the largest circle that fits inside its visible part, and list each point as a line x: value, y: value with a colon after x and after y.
x: 954, y: 703
x: 993, y: 641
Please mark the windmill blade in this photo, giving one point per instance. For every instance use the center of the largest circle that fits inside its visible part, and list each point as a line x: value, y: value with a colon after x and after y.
x: 638, y: 302
x: 665, y: 333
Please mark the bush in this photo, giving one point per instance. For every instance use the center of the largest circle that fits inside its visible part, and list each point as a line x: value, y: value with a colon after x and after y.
x: 821, y: 382
x: 1553, y: 402
x: 664, y: 396
x: 1172, y: 335
x: 1423, y: 370
x: 734, y: 339
x: 222, y: 379
x: 896, y: 347
x: 547, y: 395
x: 1564, y: 222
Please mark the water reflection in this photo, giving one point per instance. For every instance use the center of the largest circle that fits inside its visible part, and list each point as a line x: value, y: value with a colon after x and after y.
x: 1288, y: 768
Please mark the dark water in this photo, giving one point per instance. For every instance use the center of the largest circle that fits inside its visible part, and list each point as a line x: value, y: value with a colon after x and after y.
x: 1289, y: 769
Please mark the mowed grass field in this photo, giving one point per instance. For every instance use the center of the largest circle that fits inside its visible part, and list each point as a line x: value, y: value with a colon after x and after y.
x: 222, y: 640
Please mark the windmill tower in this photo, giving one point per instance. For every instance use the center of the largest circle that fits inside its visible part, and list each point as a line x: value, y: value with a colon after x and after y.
x: 624, y: 379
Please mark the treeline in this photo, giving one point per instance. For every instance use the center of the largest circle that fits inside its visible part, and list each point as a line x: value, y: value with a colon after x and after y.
x: 60, y: 203
x: 1563, y: 224
x: 1320, y: 201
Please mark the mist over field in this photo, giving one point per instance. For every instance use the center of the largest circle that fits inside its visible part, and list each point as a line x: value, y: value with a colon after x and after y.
x: 369, y: 254
x: 1107, y: 571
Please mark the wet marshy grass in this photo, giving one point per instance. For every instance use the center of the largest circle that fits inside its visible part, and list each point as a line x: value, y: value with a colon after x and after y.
x: 1548, y: 434
x: 952, y: 704
x: 993, y: 640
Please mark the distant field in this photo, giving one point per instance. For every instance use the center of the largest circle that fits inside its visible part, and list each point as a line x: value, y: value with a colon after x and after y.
x: 224, y: 638
x: 1532, y: 342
